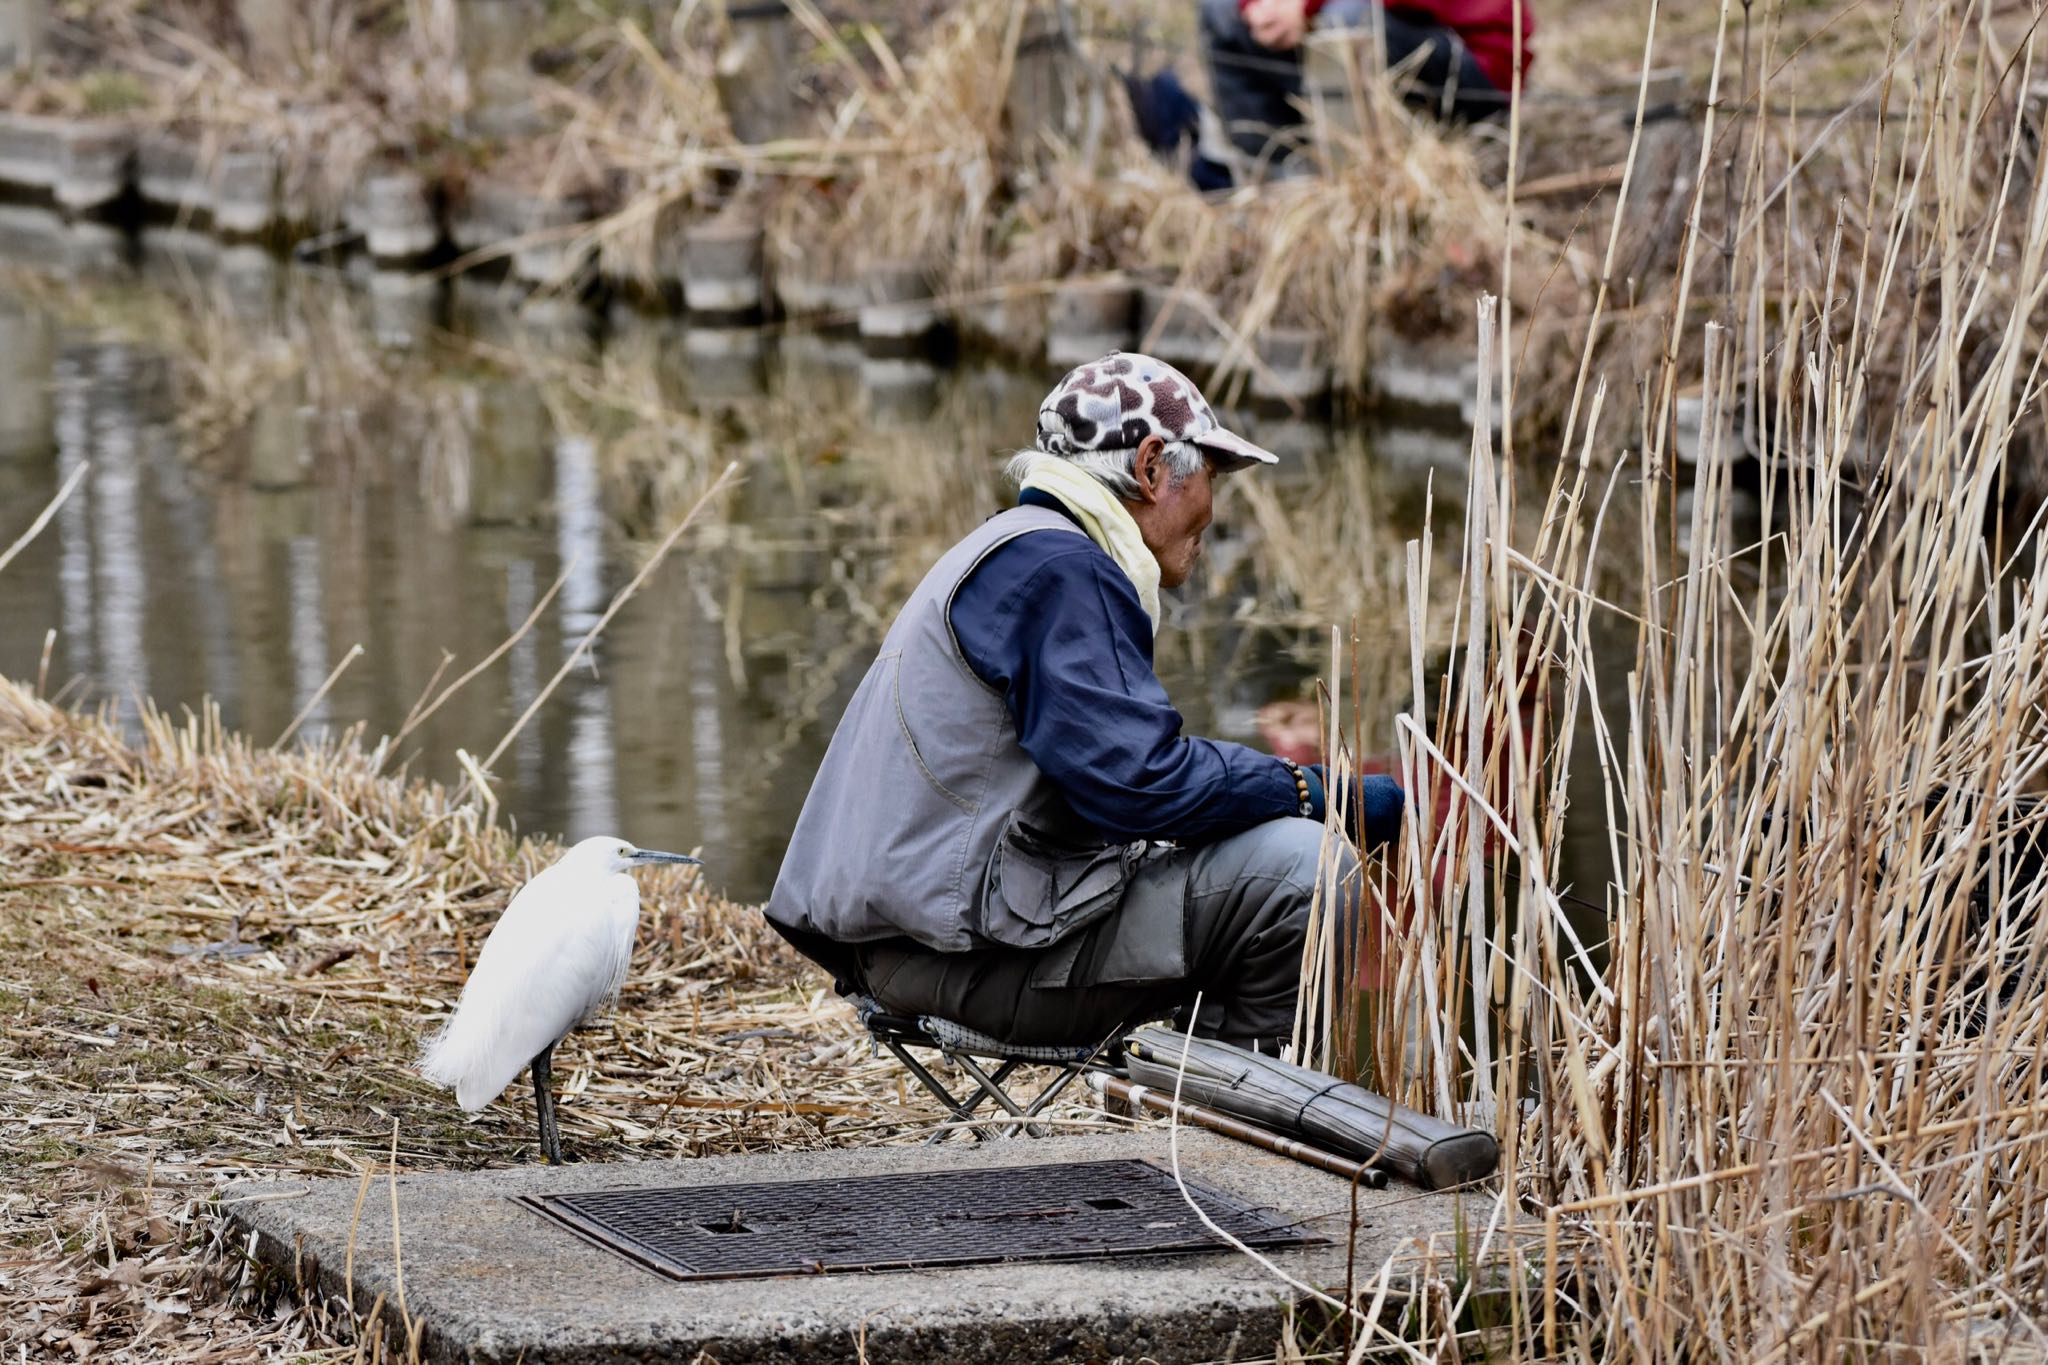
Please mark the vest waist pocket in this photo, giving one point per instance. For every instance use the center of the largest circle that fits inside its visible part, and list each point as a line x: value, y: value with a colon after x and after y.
x: 1041, y: 888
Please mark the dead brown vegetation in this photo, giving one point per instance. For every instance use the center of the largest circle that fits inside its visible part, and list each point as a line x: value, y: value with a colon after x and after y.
x: 219, y: 961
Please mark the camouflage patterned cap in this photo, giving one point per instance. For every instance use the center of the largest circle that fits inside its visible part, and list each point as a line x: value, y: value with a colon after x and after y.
x: 1117, y: 401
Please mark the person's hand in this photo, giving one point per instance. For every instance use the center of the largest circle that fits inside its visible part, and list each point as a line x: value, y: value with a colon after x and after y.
x: 1375, y: 807
x: 1277, y: 24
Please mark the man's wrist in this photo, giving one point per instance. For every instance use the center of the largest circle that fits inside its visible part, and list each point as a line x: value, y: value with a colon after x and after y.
x: 1308, y: 789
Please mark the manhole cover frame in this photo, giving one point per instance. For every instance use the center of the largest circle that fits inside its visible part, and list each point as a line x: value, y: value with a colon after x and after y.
x: 1255, y: 1225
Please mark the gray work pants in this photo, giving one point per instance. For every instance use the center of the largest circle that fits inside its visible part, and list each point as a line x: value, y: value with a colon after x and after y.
x: 1242, y: 907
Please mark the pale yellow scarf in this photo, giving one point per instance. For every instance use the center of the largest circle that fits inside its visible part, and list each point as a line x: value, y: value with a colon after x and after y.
x: 1106, y: 520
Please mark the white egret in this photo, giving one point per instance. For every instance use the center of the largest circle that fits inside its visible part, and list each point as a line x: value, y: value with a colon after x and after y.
x: 556, y: 955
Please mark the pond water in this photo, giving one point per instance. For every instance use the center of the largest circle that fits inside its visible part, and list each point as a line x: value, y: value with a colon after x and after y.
x: 288, y: 462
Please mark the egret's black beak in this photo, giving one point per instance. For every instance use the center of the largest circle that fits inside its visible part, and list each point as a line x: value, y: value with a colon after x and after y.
x: 648, y: 855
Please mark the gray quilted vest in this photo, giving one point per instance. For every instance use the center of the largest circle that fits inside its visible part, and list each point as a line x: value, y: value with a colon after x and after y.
x: 927, y: 819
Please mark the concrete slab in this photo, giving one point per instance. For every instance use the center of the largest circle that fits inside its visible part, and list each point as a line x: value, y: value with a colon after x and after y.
x: 487, y: 1280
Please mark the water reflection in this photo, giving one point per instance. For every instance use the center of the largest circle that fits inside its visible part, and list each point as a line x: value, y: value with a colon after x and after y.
x: 334, y: 467
x: 522, y: 665
x: 74, y: 528
x: 579, y: 543
x: 27, y: 357
x: 113, y: 582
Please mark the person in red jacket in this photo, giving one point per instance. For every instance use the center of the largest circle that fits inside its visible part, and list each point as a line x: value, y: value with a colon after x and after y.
x: 1461, y: 55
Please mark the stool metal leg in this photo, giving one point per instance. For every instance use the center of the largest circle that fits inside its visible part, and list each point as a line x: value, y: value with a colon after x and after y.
x: 931, y: 1083
x: 962, y: 1108
x: 1048, y: 1095
x: 992, y: 1086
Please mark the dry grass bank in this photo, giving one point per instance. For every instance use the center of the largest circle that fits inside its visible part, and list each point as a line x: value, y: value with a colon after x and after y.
x: 218, y: 963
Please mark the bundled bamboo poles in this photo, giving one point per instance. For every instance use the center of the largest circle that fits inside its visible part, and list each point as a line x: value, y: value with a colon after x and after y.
x: 1782, y: 1096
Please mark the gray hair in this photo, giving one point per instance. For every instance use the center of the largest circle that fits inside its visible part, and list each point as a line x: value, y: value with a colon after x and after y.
x: 1114, y: 469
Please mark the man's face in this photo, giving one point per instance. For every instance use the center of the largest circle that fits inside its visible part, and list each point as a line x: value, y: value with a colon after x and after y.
x: 1172, y: 517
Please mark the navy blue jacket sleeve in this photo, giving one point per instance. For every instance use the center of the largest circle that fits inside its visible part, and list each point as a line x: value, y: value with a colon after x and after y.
x: 1053, y: 624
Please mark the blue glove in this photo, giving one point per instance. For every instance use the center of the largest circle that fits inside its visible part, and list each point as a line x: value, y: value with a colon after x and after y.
x: 1375, y: 806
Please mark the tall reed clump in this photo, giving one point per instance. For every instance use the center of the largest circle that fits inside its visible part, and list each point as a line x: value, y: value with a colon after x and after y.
x: 910, y: 164
x: 1782, y: 1094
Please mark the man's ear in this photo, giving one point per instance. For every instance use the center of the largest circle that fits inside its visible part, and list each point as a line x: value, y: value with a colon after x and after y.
x: 1149, y: 468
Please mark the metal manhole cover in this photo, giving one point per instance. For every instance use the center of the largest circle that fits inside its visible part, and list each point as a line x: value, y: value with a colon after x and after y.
x: 1068, y: 1212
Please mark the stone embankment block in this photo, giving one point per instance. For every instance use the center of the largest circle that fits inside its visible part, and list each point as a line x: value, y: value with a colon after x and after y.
x: 1293, y: 368
x: 245, y: 192
x: 173, y: 174
x: 721, y: 269
x: 752, y: 72
x: 536, y: 229
x: 28, y: 152
x: 93, y: 165
x: 81, y: 165
x: 398, y: 215
x: 1426, y: 381
x: 1088, y: 318
x: 1179, y: 327
x: 897, y: 308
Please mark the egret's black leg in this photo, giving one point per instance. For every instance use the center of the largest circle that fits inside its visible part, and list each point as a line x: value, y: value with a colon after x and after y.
x: 544, y: 1102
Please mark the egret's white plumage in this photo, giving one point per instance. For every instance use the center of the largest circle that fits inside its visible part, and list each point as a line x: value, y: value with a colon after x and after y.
x: 556, y: 956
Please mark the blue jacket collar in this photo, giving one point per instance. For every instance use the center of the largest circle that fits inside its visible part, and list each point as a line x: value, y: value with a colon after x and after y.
x: 1038, y: 497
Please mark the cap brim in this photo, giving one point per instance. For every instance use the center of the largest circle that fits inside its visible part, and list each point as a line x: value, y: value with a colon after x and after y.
x: 1232, y: 451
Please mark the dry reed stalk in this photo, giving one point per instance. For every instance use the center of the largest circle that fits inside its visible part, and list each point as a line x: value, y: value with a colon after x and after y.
x: 35, y: 528
x: 1779, y: 1110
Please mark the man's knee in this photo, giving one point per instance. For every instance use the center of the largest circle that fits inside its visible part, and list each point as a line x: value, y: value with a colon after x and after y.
x: 1292, y: 851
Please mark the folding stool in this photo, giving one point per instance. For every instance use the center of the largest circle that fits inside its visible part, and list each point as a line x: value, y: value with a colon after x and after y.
x: 962, y: 1046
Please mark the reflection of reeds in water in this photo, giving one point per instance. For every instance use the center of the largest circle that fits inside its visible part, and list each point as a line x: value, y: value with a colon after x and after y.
x: 860, y: 472
x: 1782, y: 1091
x: 1335, y: 514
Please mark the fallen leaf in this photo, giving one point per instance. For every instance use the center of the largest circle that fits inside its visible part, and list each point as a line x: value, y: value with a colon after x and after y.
x: 125, y: 1274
